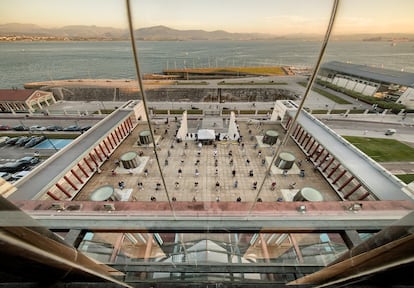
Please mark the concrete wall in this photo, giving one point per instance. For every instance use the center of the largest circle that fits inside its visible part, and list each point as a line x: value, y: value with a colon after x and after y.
x: 169, y: 94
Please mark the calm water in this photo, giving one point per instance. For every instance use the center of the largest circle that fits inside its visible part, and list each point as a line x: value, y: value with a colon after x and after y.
x: 22, y: 62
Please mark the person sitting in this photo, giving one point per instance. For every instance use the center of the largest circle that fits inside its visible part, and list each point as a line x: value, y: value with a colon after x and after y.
x: 217, y: 185
x: 254, y: 185
x: 158, y: 187
x: 238, y: 199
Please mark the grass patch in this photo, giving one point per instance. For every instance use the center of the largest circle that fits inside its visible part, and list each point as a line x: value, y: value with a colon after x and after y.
x: 406, y: 178
x: 356, y: 111
x: 181, y: 111
x: 247, y: 111
x: 252, y: 83
x: 338, y: 111
x: 383, y: 150
x: 191, y: 83
x: 264, y: 111
x: 163, y: 112
x: 260, y: 70
x: 195, y: 111
x: 319, y: 111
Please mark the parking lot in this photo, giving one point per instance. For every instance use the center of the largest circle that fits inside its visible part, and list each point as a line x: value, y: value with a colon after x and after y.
x: 19, y: 137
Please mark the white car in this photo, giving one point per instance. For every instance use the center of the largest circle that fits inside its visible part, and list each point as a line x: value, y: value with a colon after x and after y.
x: 37, y: 128
x: 19, y: 175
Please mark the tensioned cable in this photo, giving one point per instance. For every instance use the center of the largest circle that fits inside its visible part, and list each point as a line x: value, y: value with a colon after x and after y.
x: 144, y: 98
x: 302, y: 102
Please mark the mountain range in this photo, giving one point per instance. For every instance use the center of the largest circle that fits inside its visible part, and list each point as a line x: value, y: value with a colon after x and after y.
x: 18, y: 31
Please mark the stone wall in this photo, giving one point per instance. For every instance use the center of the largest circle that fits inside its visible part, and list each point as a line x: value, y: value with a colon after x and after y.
x: 174, y: 94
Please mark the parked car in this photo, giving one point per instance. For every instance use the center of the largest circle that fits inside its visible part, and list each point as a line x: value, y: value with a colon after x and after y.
x: 34, y: 141
x: 3, y: 140
x: 72, y: 128
x: 5, y: 127
x: 85, y: 128
x: 22, y: 140
x: 21, y: 128
x: 19, y: 175
x: 5, y: 175
x: 37, y: 128
x: 54, y: 128
x: 13, y: 167
x: 12, y: 140
x: 29, y: 160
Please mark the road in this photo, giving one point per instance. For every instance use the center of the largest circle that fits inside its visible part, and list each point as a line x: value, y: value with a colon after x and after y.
x: 364, y: 127
x: 376, y: 130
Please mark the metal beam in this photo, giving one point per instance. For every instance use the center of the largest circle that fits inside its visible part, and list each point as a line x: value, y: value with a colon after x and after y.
x: 215, y: 217
x: 162, y: 224
x: 261, y: 268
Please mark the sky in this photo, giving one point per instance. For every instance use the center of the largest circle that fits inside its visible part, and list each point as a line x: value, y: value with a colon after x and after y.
x: 279, y: 17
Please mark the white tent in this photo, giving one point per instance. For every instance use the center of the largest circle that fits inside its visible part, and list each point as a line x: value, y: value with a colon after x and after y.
x: 206, y: 134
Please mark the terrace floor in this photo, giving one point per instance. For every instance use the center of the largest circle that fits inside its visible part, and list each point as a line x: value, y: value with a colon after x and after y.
x: 214, y: 166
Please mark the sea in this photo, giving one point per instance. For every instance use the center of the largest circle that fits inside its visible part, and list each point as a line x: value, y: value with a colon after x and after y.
x: 23, y: 62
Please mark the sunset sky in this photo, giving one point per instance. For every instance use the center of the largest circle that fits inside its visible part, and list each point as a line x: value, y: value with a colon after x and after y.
x: 277, y: 17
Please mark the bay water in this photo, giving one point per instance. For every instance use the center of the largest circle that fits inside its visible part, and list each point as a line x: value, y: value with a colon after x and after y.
x: 23, y: 62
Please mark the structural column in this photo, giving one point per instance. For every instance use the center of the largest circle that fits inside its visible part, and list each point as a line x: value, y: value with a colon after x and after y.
x: 76, y: 175
x: 319, y: 155
x: 87, y: 164
x: 53, y: 196
x: 329, y: 164
x: 94, y: 161
x: 83, y: 170
x: 339, y: 177
x: 346, y: 183
x: 70, y: 182
x: 314, y: 151
x: 61, y: 188
x: 333, y: 170
x: 97, y: 154
x: 310, y: 146
x: 352, y: 191
x: 303, y: 139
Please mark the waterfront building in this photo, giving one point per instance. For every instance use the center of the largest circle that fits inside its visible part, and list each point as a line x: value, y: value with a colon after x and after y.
x: 25, y: 100
x: 387, y: 84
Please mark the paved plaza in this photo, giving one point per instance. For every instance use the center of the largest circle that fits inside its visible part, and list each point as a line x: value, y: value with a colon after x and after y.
x: 223, y: 171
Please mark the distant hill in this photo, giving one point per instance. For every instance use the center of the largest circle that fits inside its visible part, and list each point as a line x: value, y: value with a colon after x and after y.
x: 156, y: 33
x: 166, y: 33
x: 66, y: 32
x: 18, y: 31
